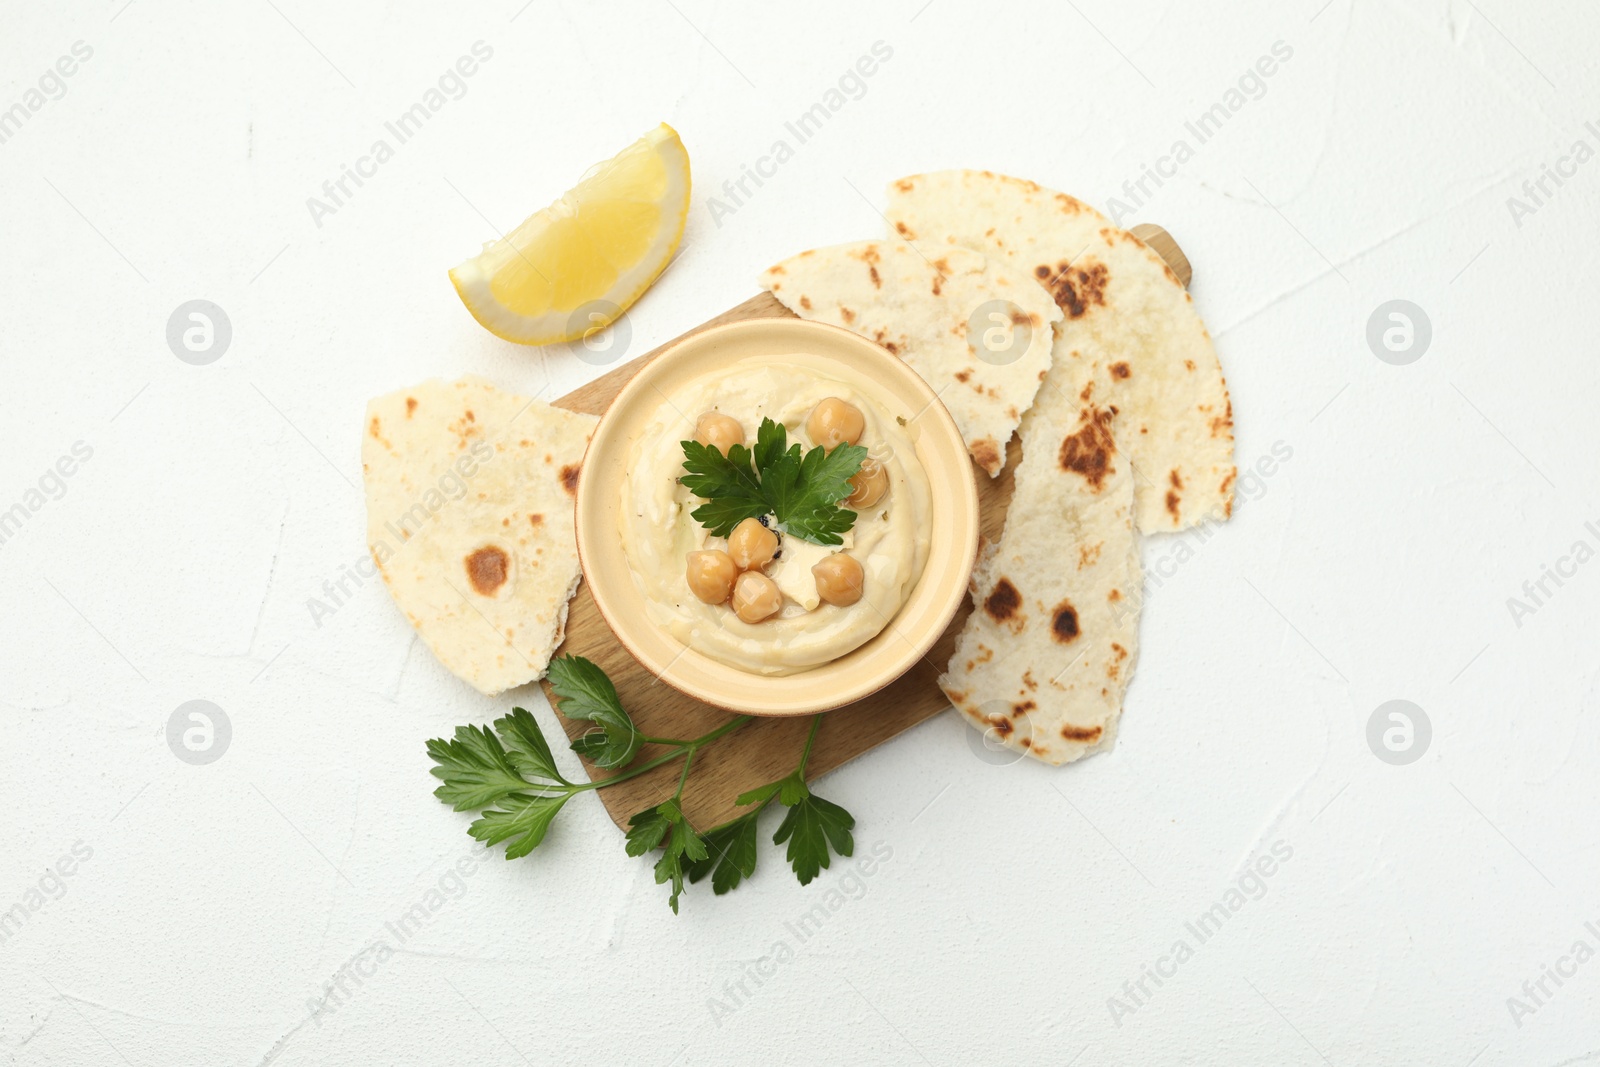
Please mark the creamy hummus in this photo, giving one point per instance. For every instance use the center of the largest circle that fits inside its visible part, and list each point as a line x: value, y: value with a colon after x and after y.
x: 889, y: 539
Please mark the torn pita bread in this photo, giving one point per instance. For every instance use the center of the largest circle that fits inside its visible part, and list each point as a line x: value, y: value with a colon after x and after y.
x: 470, y: 519
x: 1045, y: 656
x: 1124, y: 307
x: 978, y: 332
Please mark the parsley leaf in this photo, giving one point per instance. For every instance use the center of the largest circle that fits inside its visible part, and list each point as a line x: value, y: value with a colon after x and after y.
x: 514, y: 770
x: 727, y: 483
x: 731, y: 854
x: 586, y: 693
x: 527, y: 820
x: 665, y: 827
x: 526, y: 746
x: 800, y: 489
x: 474, y: 768
x: 811, y: 825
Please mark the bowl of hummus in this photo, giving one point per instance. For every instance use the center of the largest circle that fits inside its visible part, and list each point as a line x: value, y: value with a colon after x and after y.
x: 777, y: 517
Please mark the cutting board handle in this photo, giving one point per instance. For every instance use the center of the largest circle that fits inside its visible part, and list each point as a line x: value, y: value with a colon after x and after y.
x: 1162, y: 244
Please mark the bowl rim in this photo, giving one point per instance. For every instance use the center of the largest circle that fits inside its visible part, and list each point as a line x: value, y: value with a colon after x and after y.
x: 877, y: 363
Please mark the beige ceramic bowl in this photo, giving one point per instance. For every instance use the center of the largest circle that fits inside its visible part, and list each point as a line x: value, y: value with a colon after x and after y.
x: 907, y: 637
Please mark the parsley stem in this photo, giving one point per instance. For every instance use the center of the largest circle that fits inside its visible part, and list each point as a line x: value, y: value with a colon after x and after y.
x: 688, y: 762
x: 805, y: 757
x: 681, y: 748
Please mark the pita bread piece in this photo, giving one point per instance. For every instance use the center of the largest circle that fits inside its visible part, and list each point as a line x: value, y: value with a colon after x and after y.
x: 1123, y: 306
x: 1046, y: 655
x: 980, y: 333
x: 470, y: 519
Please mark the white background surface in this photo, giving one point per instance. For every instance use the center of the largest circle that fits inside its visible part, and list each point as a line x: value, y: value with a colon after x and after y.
x: 1374, y: 564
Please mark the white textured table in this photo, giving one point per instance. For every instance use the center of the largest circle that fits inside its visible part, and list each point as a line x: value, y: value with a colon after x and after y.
x: 1392, y: 545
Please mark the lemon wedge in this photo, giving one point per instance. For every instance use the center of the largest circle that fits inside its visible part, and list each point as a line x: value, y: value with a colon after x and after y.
x: 575, y: 266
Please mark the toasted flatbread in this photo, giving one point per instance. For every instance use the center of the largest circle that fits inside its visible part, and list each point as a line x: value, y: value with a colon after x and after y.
x: 1046, y: 655
x: 470, y: 519
x: 980, y: 333
x: 1123, y: 307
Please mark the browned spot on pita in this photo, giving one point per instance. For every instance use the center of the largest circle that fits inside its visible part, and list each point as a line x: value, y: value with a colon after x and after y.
x: 1121, y: 652
x: 1172, y: 504
x: 985, y: 653
x: 1177, y: 482
x: 1027, y: 680
x: 1042, y: 271
x: 1088, y: 452
x: 486, y: 569
x: 942, y: 266
x: 892, y: 347
x: 846, y: 314
x: 963, y: 376
x: 957, y: 696
x: 1087, y: 554
x: 808, y: 252
x: 1076, y: 289
x: 1069, y: 206
x: 938, y: 282
x: 986, y: 453
x: 1064, y: 623
x: 1001, y: 724
x: 877, y: 282
x: 471, y: 417
x: 1188, y: 364
x: 1004, y: 602
x: 1081, y: 733
x: 1023, y: 708
x: 905, y: 185
x: 411, y: 405
x: 535, y: 519
x: 1120, y: 370
x: 1223, y: 422
x: 777, y: 269
x: 903, y: 230
x: 505, y: 522
x: 374, y: 428
x: 1115, y: 594
x: 805, y: 302
x: 569, y: 479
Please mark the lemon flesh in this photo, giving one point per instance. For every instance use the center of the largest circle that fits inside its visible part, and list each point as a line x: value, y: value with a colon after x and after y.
x: 575, y: 266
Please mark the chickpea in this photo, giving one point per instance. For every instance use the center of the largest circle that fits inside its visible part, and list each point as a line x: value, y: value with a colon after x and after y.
x: 752, y: 545
x: 870, y: 483
x: 834, y: 422
x: 719, y: 431
x: 711, y: 576
x: 756, y: 597
x: 839, y: 579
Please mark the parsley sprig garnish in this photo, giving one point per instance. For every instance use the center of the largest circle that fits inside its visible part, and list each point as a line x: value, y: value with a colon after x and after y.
x: 800, y: 489
x: 509, y: 774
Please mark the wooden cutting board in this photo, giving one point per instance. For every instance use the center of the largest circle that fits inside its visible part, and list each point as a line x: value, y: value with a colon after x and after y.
x: 766, y: 749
